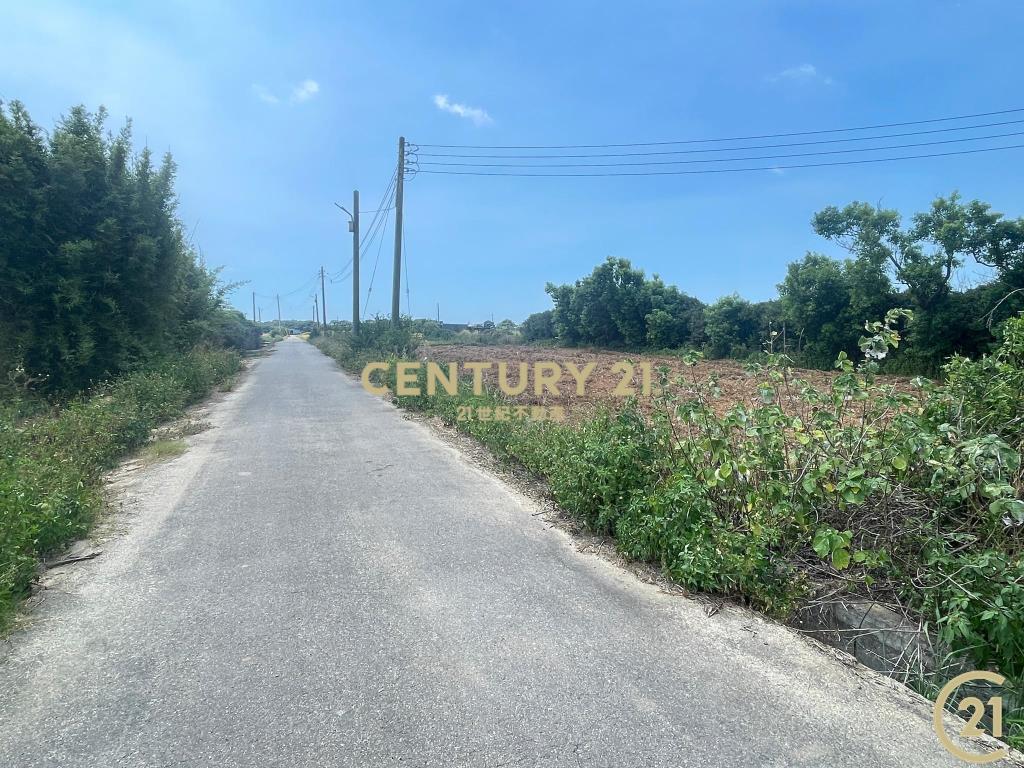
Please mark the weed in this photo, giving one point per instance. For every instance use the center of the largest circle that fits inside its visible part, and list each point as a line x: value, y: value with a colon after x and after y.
x: 52, y: 458
x: 161, y: 450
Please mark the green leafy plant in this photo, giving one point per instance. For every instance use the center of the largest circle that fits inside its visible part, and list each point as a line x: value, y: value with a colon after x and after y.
x: 833, y: 545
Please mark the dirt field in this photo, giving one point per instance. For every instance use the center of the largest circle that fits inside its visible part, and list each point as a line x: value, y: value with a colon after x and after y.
x: 736, y: 384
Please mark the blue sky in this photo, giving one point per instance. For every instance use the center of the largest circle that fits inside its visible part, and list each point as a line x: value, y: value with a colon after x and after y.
x: 275, y: 111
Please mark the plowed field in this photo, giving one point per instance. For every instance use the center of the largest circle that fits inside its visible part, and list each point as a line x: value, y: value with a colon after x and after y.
x: 735, y: 383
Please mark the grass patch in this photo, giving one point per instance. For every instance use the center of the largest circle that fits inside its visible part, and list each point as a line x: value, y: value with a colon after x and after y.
x: 161, y: 450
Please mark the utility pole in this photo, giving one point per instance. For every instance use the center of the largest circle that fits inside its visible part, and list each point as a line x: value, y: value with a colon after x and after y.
x: 439, y: 311
x: 278, y: 297
x: 396, y: 285
x: 316, y: 313
x: 261, y: 315
x: 355, y: 261
x: 254, y: 306
x: 353, y: 227
x: 323, y: 299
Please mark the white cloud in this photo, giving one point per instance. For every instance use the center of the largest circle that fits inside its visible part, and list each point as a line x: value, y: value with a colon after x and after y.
x: 804, y: 73
x: 264, y: 95
x: 476, y: 114
x: 305, y: 90
x: 300, y: 92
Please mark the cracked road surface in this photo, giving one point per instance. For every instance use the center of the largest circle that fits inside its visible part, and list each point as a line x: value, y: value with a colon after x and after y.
x: 321, y: 582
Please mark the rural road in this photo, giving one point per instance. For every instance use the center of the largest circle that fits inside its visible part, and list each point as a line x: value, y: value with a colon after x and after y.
x: 319, y: 581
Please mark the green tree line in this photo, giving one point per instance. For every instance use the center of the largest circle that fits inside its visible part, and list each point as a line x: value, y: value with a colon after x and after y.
x: 96, y: 274
x: 823, y: 302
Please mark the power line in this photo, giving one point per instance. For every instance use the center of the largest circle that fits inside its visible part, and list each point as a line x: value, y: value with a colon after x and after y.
x: 725, y: 148
x: 343, y: 275
x: 380, y: 247
x: 734, y: 170
x: 335, y: 277
x: 371, y: 235
x: 382, y: 207
x: 730, y: 159
x: 302, y: 287
x: 386, y: 204
x: 731, y: 138
x: 382, y: 229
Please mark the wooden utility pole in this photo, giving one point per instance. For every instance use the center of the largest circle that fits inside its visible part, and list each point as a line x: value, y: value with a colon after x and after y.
x: 323, y: 299
x: 261, y: 315
x: 316, y: 313
x: 355, y: 261
x: 278, y: 297
x: 396, y: 285
x: 254, y: 306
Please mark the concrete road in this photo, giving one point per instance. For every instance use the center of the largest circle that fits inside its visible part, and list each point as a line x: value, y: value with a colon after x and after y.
x: 321, y: 582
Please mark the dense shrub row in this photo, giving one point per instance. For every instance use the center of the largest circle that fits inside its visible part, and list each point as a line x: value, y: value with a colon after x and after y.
x: 52, y: 458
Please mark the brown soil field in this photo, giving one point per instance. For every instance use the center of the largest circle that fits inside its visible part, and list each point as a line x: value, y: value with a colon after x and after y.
x: 737, y: 385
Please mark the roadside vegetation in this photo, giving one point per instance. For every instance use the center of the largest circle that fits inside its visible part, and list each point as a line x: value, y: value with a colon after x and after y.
x: 907, y: 493
x: 52, y: 457
x: 109, y: 325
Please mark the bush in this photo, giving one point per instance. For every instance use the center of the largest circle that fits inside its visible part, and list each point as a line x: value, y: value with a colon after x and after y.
x: 603, y: 464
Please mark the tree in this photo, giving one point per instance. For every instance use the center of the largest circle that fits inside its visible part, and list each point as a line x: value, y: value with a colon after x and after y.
x: 606, y: 308
x: 732, y: 327
x: 540, y: 326
x: 565, y: 316
x: 676, y: 320
x: 925, y: 256
x: 95, y: 275
x: 825, y: 303
x: 615, y: 306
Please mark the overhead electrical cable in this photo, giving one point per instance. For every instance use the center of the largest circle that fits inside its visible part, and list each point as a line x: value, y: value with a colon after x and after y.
x: 304, y: 286
x: 381, y: 207
x: 376, y: 261
x: 819, y: 132
x: 706, y: 150
x: 728, y: 159
x: 342, y: 273
x: 372, y: 234
x: 733, y: 170
x: 381, y: 226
